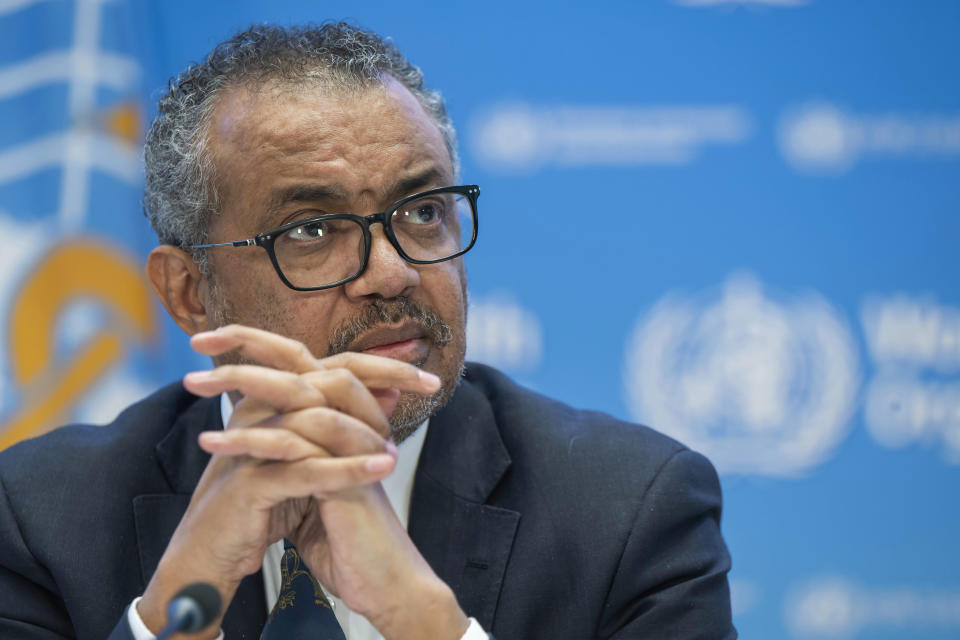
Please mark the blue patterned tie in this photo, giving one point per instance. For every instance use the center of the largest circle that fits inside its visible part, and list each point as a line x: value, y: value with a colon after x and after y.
x: 302, y: 611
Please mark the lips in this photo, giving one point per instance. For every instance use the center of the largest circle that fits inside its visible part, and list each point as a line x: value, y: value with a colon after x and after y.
x: 407, y: 342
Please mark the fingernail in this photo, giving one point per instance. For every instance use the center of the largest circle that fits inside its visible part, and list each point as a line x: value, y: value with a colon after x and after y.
x: 198, y: 376
x: 429, y: 379
x: 379, y: 463
x: 391, y: 447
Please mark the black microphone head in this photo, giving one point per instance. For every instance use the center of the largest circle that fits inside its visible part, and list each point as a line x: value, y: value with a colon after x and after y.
x: 207, y: 599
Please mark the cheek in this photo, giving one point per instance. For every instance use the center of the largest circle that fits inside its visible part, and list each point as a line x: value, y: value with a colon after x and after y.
x: 252, y: 294
x: 246, y: 290
x: 242, y: 268
x: 448, y: 288
x: 311, y: 317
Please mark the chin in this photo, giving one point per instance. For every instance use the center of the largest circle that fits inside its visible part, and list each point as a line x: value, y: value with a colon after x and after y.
x: 412, y: 408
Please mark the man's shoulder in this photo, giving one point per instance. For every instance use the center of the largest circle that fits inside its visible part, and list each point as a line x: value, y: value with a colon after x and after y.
x: 130, y: 437
x: 570, y: 467
x: 545, y: 417
x: 547, y: 434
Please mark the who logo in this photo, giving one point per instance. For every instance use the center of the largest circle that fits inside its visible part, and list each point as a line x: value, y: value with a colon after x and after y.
x: 761, y: 383
x: 77, y: 313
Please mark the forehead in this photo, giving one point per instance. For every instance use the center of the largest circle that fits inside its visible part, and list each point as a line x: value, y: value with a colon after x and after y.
x: 358, y: 141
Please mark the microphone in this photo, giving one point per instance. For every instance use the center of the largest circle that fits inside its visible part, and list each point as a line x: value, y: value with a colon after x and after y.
x: 192, y: 609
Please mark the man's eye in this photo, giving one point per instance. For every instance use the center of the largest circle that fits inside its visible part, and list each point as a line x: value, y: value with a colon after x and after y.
x: 308, y: 231
x: 428, y: 212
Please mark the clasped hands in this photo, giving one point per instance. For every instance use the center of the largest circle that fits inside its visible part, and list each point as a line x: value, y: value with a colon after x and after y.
x: 301, y: 458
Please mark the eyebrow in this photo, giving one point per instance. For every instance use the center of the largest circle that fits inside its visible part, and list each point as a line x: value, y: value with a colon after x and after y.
x: 283, y: 196
x: 417, y: 182
x: 303, y: 193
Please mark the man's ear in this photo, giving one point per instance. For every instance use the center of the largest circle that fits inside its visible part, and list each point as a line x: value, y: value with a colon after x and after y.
x: 178, y: 283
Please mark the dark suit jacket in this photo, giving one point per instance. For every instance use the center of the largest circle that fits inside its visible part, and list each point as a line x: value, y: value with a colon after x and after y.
x: 547, y: 522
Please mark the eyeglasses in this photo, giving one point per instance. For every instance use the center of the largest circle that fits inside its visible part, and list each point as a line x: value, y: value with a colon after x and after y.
x: 329, y: 250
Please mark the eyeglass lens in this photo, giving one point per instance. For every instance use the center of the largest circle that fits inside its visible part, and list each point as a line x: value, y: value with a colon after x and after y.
x: 322, y: 252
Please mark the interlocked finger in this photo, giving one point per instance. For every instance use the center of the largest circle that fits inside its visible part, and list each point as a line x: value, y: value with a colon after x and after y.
x: 282, y: 390
x: 258, y: 346
x: 249, y: 411
x: 377, y: 372
x: 344, y: 392
x: 319, y: 476
x: 262, y: 443
x: 317, y: 431
x: 338, y: 433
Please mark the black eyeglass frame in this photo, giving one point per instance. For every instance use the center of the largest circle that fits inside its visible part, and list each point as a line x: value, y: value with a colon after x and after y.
x: 267, y: 238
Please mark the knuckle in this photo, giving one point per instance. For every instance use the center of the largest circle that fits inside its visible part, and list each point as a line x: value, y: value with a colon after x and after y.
x: 234, y: 330
x: 227, y: 370
x: 314, y: 472
x: 238, y: 438
x: 341, y: 376
x: 349, y: 360
x: 316, y: 378
x: 313, y: 378
x: 310, y: 418
x: 305, y: 387
x: 341, y: 426
x: 302, y: 351
x: 320, y: 420
x: 302, y: 383
x: 328, y: 428
x: 289, y: 446
x: 346, y: 358
x: 314, y: 417
x: 342, y: 381
x: 358, y: 472
x: 348, y: 438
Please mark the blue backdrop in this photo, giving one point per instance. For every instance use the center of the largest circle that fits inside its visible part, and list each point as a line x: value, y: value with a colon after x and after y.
x: 735, y: 220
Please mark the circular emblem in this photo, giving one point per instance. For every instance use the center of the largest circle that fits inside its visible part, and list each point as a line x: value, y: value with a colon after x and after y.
x: 761, y: 385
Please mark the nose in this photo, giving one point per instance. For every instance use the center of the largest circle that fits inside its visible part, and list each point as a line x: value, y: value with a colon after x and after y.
x: 387, y: 274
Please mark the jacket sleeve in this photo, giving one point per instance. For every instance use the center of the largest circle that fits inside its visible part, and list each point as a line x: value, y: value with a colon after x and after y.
x: 672, y: 578
x: 122, y: 631
x: 30, y: 606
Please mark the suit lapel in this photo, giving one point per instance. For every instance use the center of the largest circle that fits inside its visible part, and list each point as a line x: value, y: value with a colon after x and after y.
x: 466, y: 541
x: 182, y: 462
x: 157, y: 515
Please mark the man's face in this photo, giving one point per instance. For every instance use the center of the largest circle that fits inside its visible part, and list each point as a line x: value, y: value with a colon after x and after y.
x: 283, y: 153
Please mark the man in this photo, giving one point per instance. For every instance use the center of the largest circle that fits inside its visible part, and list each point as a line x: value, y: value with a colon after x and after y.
x: 339, y: 341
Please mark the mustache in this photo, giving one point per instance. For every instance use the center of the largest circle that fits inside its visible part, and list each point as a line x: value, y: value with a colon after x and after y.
x: 392, y: 311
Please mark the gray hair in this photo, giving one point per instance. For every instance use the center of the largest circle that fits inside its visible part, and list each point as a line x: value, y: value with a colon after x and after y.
x: 181, y: 191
